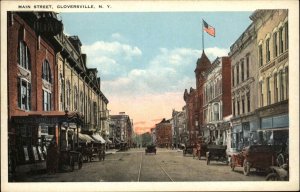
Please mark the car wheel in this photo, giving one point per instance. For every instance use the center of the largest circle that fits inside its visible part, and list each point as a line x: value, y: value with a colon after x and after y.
x: 246, y: 167
x: 272, y: 177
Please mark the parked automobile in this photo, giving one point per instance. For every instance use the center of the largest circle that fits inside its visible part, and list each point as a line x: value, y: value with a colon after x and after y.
x: 216, y: 152
x: 150, y: 149
x: 260, y: 157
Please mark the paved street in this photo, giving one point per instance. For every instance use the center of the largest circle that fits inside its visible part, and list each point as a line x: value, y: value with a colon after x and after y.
x: 134, y: 165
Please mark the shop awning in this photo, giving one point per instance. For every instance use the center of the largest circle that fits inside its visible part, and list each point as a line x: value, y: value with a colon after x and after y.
x: 83, y: 138
x: 108, y: 141
x: 98, y: 138
x: 117, y: 140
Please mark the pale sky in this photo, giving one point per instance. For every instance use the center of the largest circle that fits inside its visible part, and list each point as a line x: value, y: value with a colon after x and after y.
x: 147, y: 60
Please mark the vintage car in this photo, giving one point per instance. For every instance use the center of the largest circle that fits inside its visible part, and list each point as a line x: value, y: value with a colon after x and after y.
x: 93, y: 151
x: 216, y: 152
x: 150, y: 149
x: 260, y: 157
x: 188, y: 150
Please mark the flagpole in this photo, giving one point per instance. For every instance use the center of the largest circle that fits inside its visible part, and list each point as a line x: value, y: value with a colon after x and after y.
x: 202, y: 37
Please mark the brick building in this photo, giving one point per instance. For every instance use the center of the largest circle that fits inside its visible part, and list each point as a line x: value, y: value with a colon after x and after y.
x: 217, y: 101
x: 192, y: 113
x: 48, y: 86
x: 32, y: 86
x: 209, y: 100
x: 121, y: 129
x: 163, y: 132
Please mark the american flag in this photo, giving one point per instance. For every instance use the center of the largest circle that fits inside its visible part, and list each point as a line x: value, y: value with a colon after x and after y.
x: 209, y: 29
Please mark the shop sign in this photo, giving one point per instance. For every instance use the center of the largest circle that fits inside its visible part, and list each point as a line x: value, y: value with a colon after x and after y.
x: 44, y: 130
x: 37, y: 120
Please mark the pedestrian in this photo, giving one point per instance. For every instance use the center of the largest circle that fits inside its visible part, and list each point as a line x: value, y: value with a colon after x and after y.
x: 52, y: 158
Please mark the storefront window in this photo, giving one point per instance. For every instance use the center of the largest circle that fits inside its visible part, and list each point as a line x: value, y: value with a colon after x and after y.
x: 281, y: 121
x: 266, y: 122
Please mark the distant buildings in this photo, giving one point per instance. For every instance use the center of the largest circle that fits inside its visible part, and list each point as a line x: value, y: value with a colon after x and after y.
x: 121, y: 129
x: 163, y: 132
x: 178, y: 127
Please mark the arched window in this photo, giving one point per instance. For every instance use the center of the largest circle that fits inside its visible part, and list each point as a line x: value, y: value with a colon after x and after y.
x: 24, y: 56
x: 46, y: 71
x: 61, y: 92
x: 68, y: 93
x: 81, y: 102
x: 75, y: 98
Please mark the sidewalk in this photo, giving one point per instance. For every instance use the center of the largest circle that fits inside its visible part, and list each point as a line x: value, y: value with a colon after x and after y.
x: 110, y: 151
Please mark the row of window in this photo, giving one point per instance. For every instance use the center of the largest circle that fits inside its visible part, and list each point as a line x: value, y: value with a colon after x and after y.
x: 24, y: 85
x: 276, y: 91
x: 240, y: 71
x: 280, y: 44
x: 78, y: 101
x: 212, y: 113
x: 241, y: 106
x: 212, y: 90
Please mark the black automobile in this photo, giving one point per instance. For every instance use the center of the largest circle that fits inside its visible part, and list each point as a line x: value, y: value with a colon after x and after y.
x: 150, y: 149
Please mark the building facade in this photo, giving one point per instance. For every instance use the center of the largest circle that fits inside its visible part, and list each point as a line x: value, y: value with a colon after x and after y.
x: 178, y: 127
x: 32, y: 86
x: 164, y: 134
x: 121, y: 129
x: 216, y: 101
x: 273, y: 82
x: 48, y: 81
x: 192, y: 112
x: 244, y: 82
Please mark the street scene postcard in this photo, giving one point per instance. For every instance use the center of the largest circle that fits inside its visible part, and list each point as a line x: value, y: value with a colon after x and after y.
x: 149, y: 95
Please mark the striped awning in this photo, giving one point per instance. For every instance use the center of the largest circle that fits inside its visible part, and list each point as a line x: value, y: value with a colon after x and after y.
x: 98, y: 138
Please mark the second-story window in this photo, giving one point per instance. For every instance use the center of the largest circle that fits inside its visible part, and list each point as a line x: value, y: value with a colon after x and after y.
x: 268, y: 91
x: 61, y: 92
x: 46, y: 100
x: 216, y: 112
x: 68, y: 94
x: 237, y: 74
x: 247, y: 66
x: 275, y: 88
x: 242, y: 70
x: 286, y: 32
x: 260, y: 55
x: 75, y: 98
x: 81, y: 102
x: 280, y: 40
x: 232, y: 76
x: 275, y: 44
x: 268, y: 50
x: 248, y: 102
x: 261, y: 94
x: 24, y: 94
x: 233, y: 107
